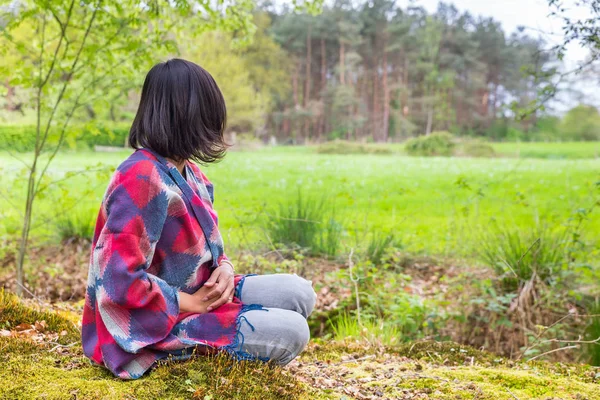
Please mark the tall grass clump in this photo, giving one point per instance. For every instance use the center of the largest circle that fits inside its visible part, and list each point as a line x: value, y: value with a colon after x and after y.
x: 518, y: 256
x: 75, y: 225
x: 435, y: 144
x: 378, y: 244
x: 308, y: 223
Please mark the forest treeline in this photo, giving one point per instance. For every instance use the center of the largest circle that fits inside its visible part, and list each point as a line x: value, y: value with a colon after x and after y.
x: 373, y: 71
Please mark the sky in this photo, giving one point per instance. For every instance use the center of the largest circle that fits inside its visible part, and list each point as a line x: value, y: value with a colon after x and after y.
x: 534, y: 16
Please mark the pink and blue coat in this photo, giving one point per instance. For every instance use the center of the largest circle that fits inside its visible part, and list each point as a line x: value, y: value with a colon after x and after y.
x: 156, y: 234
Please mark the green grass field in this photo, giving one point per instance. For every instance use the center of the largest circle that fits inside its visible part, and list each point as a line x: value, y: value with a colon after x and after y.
x: 555, y: 150
x: 441, y: 206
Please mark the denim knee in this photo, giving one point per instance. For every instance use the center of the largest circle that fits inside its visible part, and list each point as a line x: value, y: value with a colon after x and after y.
x: 297, y: 336
x: 276, y: 335
x: 302, y: 294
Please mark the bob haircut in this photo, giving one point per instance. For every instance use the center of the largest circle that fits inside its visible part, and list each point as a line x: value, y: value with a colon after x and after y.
x: 182, y: 113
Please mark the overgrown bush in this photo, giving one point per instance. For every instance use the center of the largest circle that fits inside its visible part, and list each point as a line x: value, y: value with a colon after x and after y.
x: 308, y: 223
x: 581, y: 123
x: 345, y: 147
x: 435, y: 144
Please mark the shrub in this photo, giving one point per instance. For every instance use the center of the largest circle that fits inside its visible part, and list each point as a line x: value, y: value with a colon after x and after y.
x: 478, y: 149
x: 436, y: 144
x: 581, y: 123
x: 345, y: 147
x: 306, y: 223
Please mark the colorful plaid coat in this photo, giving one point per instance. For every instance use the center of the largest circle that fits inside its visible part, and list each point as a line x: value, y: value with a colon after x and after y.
x: 156, y: 234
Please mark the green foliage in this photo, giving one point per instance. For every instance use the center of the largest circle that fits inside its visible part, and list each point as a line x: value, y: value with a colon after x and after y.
x: 22, y: 138
x: 435, y: 144
x: 519, y: 255
x: 581, y: 123
x: 308, y: 223
x: 346, y: 147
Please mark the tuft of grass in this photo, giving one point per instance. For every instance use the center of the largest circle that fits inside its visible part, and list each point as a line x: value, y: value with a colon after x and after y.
x: 371, y: 330
x: 378, y: 244
x: 75, y: 225
x: 519, y: 255
x: 306, y: 223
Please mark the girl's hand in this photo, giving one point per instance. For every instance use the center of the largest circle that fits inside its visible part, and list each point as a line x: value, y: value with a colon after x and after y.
x: 193, y: 302
x: 221, y: 282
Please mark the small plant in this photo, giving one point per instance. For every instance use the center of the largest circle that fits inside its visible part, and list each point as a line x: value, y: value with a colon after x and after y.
x: 75, y: 225
x: 436, y: 144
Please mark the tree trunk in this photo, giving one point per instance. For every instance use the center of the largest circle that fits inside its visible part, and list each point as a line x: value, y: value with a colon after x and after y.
x: 375, y: 116
x: 321, y: 127
x: 293, y: 115
x: 342, y: 62
x: 307, y: 83
x: 429, y: 120
x: 386, y: 99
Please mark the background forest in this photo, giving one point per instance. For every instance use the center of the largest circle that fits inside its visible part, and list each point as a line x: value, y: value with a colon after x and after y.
x: 435, y: 175
x: 371, y: 72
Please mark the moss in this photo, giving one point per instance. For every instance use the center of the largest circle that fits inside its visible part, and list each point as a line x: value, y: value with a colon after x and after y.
x: 51, y: 377
x: 14, y: 312
x: 447, y: 353
x: 425, y: 370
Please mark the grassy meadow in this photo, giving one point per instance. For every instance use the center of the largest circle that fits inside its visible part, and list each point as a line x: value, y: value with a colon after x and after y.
x: 434, y: 205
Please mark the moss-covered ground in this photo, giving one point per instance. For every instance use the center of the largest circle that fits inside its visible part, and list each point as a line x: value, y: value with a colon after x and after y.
x: 46, y: 362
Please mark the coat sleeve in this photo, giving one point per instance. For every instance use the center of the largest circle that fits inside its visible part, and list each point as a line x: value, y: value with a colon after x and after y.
x: 138, y: 308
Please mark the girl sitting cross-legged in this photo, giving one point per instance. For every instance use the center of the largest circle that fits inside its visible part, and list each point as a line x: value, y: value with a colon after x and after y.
x: 159, y: 283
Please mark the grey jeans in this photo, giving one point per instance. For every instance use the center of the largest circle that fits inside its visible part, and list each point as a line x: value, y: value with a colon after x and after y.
x: 280, y: 333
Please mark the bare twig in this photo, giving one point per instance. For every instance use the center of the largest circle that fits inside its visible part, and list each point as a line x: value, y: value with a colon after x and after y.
x: 354, y: 280
x: 512, y: 394
x: 553, y: 351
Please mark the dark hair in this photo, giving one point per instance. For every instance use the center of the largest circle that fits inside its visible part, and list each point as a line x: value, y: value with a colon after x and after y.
x: 182, y: 113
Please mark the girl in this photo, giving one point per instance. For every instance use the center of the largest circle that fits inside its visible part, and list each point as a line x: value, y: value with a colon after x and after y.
x: 159, y: 283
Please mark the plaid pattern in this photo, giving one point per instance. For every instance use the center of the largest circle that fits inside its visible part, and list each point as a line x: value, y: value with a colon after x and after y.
x: 156, y: 234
